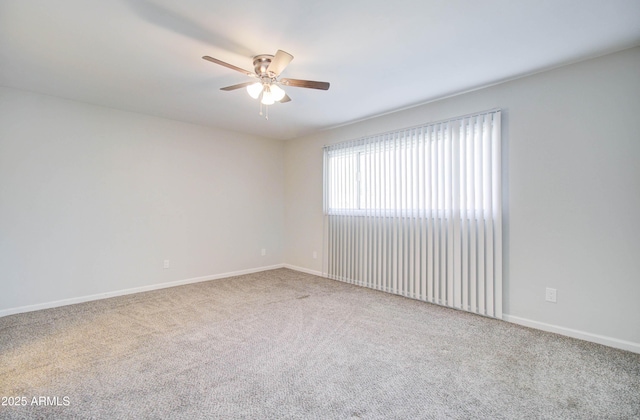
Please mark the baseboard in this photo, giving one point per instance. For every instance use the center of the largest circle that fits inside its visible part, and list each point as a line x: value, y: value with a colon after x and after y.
x: 304, y: 270
x: 98, y: 296
x: 581, y: 335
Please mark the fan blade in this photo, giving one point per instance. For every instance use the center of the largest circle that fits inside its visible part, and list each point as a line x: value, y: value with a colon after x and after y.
x: 238, y: 86
x: 230, y: 66
x: 279, y: 62
x: 286, y: 98
x: 305, y: 84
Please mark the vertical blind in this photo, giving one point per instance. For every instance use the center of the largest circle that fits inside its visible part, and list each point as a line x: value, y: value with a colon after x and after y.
x: 418, y: 212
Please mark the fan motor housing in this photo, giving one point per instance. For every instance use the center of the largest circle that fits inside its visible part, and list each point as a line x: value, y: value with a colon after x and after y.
x: 261, y: 64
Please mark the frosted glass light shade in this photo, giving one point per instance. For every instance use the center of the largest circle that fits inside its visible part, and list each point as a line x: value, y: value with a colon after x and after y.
x: 267, y: 97
x: 255, y: 89
x: 277, y: 93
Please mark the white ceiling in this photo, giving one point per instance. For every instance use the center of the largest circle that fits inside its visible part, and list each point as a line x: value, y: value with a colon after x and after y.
x: 378, y: 55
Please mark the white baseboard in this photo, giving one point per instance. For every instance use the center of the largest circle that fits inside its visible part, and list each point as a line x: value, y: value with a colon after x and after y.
x: 581, y: 335
x: 304, y: 270
x: 98, y: 296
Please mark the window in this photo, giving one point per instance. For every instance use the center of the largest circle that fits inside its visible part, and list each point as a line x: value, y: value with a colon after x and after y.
x: 419, y: 170
x: 418, y: 212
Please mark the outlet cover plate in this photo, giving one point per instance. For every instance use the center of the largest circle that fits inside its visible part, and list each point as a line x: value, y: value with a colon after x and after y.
x: 551, y: 295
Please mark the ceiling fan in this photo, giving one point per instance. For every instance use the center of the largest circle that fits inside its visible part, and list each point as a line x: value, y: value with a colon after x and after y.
x: 266, y: 85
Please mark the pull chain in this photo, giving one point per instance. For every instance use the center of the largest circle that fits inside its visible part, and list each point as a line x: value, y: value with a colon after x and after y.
x: 266, y: 113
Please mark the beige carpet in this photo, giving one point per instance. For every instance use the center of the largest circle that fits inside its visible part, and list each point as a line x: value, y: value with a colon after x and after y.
x: 283, y: 344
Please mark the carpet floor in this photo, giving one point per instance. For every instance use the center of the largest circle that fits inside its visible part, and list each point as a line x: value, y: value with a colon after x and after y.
x: 282, y: 344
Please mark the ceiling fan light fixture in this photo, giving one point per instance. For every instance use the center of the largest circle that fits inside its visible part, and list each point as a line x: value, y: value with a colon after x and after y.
x: 255, y: 89
x: 277, y: 93
x: 267, y: 96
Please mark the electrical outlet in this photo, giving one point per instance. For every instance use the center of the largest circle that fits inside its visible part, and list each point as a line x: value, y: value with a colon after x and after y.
x: 315, y: 255
x: 264, y: 252
x: 166, y: 264
x: 550, y: 295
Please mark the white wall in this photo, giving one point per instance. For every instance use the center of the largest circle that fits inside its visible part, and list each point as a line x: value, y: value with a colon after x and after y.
x: 572, y: 192
x: 92, y: 200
